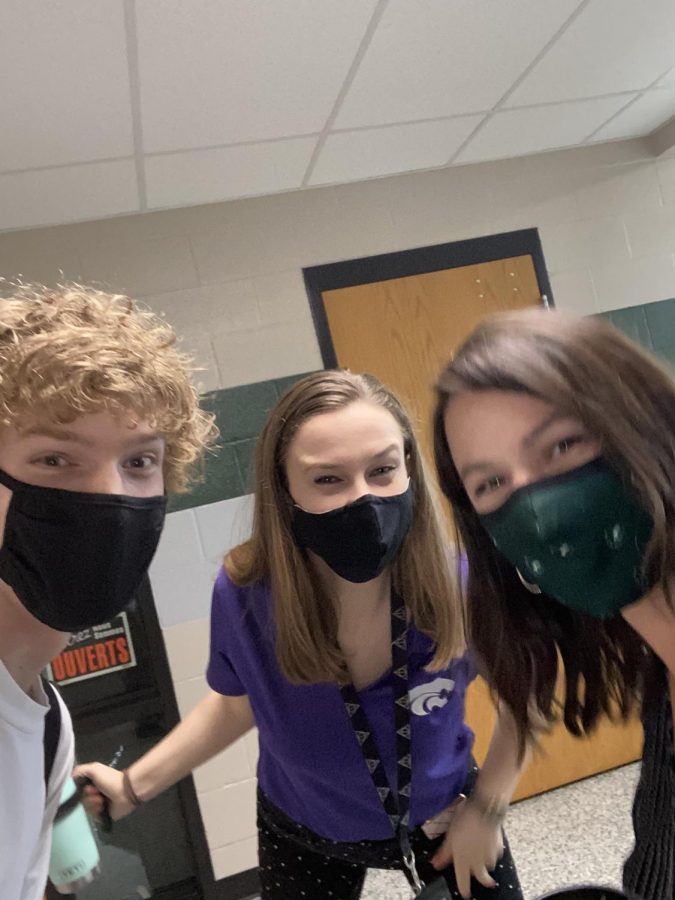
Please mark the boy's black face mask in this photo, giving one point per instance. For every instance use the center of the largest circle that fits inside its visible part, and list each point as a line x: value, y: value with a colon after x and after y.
x: 75, y: 559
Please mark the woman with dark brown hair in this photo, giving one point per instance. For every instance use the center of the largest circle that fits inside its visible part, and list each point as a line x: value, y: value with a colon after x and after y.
x: 338, y: 630
x: 555, y: 444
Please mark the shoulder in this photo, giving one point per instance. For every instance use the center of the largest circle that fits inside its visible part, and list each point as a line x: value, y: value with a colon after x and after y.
x: 64, y: 760
x: 234, y: 603
x: 36, y: 872
x: 466, y: 666
x: 226, y: 591
x: 224, y: 588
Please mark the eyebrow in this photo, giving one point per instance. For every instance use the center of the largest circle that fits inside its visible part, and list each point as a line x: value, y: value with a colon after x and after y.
x: 64, y: 434
x: 319, y: 465
x: 475, y: 467
x: 536, y: 432
x: 527, y: 441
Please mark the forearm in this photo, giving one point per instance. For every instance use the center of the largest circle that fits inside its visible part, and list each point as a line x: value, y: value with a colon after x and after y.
x: 214, y: 724
x: 502, y: 768
x: 474, y: 840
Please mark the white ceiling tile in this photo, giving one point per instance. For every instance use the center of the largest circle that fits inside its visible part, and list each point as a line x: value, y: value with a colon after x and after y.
x: 433, y: 58
x: 516, y: 132
x: 65, y: 96
x: 352, y: 155
x: 669, y: 78
x: 224, y: 71
x: 642, y: 117
x: 612, y: 46
x: 207, y: 176
x: 67, y: 194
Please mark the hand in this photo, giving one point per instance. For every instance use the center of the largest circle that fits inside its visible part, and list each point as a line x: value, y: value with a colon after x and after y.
x: 107, y: 783
x: 474, y: 845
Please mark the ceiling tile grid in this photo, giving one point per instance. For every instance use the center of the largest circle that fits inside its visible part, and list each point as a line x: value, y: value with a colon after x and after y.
x: 128, y: 105
x: 373, y: 152
x: 517, y: 132
x: 67, y: 194
x: 64, y: 86
x: 610, y: 47
x: 197, y: 176
x: 227, y: 71
x: 642, y: 116
x: 437, y: 58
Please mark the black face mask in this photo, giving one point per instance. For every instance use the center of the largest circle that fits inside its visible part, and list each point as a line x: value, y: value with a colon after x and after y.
x: 75, y: 559
x: 360, y: 540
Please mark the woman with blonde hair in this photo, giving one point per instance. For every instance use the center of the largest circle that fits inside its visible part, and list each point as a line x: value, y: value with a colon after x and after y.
x: 555, y: 444
x: 337, y: 630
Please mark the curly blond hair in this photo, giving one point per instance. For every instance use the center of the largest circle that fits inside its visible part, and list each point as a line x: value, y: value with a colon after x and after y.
x: 71, y: 349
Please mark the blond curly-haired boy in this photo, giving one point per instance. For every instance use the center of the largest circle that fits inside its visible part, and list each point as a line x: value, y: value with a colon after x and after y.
x: 99, y: 420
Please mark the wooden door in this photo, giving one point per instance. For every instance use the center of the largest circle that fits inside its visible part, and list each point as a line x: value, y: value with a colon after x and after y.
x: 404, y: 330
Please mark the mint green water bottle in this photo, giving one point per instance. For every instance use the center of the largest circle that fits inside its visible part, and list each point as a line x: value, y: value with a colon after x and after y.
x: 74, y: 861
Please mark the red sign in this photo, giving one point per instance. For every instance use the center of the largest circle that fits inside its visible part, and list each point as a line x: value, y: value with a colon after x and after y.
x: 95, y: 651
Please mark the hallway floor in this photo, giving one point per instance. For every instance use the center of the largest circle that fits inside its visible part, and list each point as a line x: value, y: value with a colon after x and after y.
x: 573, y: 835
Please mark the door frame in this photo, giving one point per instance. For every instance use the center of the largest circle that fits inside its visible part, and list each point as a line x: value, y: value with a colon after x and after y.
x: 419, y: 261
x: 244, y: 884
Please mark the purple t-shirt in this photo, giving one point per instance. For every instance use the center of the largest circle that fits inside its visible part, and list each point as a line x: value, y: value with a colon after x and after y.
x: 311, y: 765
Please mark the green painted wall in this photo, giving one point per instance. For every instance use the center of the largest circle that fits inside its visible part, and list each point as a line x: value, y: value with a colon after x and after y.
x: 651, y: 324
x: 241, y: 411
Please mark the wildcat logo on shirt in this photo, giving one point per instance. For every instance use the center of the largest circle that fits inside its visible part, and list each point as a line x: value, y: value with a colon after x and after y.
x: 433, y: 695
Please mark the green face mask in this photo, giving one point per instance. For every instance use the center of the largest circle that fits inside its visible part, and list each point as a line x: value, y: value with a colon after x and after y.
x: 578, y: 537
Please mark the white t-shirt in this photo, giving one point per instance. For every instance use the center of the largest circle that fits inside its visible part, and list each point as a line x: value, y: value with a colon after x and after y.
x: 26, y: 814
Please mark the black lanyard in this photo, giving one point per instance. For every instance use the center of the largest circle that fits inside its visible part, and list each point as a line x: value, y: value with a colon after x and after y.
x: 395, y: 797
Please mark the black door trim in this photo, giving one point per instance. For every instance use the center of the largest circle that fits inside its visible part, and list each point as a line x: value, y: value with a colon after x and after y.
x: 236, y: 887
x: 418, y: 261
x: 171, y: 715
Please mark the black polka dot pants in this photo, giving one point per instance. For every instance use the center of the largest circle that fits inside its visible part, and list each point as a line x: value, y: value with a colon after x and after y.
x: 289, y: 872
x: 302, y: 866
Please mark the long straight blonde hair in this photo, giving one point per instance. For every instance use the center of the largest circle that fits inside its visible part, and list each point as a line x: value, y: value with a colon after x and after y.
x: 305, y: 615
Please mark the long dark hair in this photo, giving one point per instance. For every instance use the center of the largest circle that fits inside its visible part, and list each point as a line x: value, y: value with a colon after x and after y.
x: 589, y: 370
